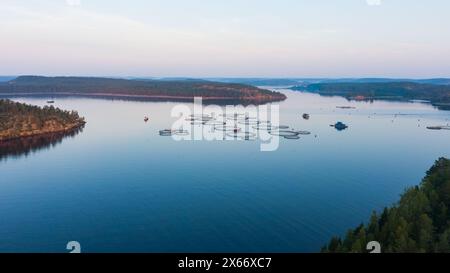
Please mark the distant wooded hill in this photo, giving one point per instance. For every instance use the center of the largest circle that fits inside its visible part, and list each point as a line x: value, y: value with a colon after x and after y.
x: 306, y: 81
x: 158, y: 89
x: 438, y: 95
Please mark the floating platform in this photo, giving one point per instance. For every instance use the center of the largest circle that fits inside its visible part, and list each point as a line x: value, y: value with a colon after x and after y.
x: 340, y: 126
x: 438, y: 127
x: 345, y: 107
x: 170, y: 132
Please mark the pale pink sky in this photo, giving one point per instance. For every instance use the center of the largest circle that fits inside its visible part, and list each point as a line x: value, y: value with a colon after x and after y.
x: 197, y: 38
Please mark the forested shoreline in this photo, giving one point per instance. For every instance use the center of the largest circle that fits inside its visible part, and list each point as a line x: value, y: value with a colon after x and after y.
x: 19, y: 120
x: 419, y: 222
x: 438, y: 95
x: 157, y: 89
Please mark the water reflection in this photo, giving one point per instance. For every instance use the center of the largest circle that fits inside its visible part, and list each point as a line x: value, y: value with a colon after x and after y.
x: 25, y: 146
x: 120, y: 186
x: 131, y: 98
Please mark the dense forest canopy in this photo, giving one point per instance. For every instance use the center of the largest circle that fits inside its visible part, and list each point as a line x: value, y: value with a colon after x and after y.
x: 23, y: 120
x: 155, y: 88
x: 419, y: 222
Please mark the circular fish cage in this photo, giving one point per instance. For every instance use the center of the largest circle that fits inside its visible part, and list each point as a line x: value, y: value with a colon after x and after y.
x: 215, y: 123
x: 227, y: 128
x: 236, y: 119
x: 231, y: 115
x: 283, y: 127
x: 248, y: 122
x: 292, y: 137
x: 438, y: 127
x: 264, y: 122
x: 266, y: 127
x: 198, y: 122
x: 242, y: 135
x: 169, y: 132
x: 181, y: 132
x: 199, y: 118
x: 284, y: 133
x: 246, y: 117
x: 166, y: 132
x: 269, y: 127
x: 236, y: 116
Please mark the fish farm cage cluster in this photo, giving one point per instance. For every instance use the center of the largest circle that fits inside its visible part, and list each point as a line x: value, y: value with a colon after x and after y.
x: 239, y: 126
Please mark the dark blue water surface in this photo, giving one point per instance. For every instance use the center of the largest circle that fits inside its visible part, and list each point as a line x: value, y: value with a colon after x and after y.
x: 120, y: 187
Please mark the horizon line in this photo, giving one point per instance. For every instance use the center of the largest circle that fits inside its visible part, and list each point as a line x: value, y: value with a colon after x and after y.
x: 232, y: 77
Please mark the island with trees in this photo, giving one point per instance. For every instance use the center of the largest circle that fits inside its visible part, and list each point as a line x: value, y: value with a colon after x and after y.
x: 138, y: 89
x: 18, y: 120
x: 438, y: 95
x: 419, y: 222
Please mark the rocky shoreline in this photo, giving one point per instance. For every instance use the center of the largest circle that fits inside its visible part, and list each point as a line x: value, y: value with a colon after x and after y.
x: 43, y: 132
x: 18, y: 120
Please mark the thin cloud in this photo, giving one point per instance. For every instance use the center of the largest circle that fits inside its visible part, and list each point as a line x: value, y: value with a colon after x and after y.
x: 73, y: 3
x: 374, y: 2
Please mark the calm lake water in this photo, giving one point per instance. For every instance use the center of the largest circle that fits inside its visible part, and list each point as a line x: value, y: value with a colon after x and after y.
x: 118, y: 186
